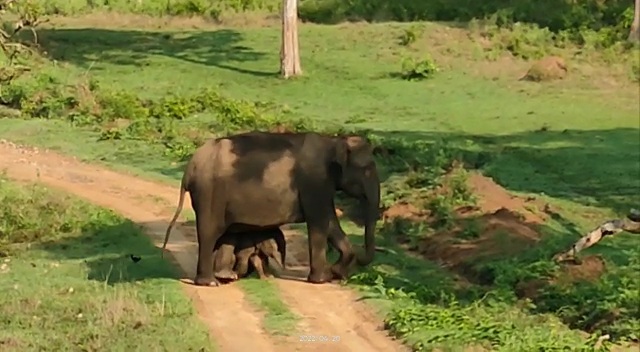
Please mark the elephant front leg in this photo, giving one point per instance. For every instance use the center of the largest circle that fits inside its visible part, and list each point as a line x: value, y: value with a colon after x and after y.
x: 318, y: 271
x: 341, y: 268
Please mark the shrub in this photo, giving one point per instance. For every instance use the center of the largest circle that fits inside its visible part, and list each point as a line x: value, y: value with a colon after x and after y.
x: 415, y: 70
x: 410, y: 35
x: 168, y: 121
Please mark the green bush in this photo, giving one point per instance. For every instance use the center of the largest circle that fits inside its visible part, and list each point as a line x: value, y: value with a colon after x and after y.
x: 431, y: 310
x: 585, y: 21
x: 168, y: 121
x: 410, y: 35
x: 207, y: 8
x: 418, y: 69
x: 554, y: 14
x: 610, y: 305
x: 609, y: 21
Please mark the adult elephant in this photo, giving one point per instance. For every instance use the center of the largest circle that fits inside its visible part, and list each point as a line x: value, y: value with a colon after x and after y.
x: 262, y: 179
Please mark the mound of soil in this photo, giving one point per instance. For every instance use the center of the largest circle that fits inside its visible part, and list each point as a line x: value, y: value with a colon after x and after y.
x: 496, y: 234
x: 404, y: 211
x: 500, y: 225
x: 492, y: 197
x: 546, y: 69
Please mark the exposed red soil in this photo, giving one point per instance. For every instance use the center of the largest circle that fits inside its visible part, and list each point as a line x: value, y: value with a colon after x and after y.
x: 404, y: 211
x: 500, y: 225
x: 590, y: 268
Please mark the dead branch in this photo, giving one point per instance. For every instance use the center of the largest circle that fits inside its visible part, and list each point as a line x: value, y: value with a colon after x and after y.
x: 608, y: 228
x: 29, y: 18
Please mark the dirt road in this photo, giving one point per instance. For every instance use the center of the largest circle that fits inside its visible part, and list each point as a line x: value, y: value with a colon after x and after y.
x: 328, y: 309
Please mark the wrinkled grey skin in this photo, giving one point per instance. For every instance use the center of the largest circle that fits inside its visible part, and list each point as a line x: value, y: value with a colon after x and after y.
x: 237, y: 255
x: 259, y: 180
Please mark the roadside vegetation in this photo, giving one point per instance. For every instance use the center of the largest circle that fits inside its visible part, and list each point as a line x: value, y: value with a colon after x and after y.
x: 485, y: 175
x: 68, y: 282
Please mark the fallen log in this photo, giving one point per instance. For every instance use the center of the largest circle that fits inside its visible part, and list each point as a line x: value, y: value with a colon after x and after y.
x: 608, y: 228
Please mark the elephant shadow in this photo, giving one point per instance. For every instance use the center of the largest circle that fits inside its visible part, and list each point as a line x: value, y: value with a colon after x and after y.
x: 117, y: 252
x: 297, y: 273
x: 130, y: 268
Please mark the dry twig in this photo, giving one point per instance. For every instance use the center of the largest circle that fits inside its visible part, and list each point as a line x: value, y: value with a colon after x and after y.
x: 11, y: 48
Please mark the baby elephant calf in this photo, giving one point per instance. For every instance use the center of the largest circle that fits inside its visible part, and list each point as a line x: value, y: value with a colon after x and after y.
x: 239, y: 254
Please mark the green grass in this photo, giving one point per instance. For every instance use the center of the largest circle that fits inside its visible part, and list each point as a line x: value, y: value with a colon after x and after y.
x: 572, y: 143
x: 68, y: 282
x: 428, y: 308
x: 278, y: 320
x: 517, y: 125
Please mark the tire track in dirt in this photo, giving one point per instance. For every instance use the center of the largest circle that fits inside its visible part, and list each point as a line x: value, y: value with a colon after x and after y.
x: 326, y: 310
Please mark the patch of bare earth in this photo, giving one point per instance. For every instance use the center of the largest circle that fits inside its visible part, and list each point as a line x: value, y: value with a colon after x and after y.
x: 327, y: 310
x: 500, y: 225
x: 548, y: 68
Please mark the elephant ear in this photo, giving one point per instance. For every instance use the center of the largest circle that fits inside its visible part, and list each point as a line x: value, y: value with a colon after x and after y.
x: 342, y: 151
x: 354, y: 150
x: 360, y: 151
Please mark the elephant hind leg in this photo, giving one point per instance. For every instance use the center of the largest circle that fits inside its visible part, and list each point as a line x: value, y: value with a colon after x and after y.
x: 338, y: 239
x: 209, y: 229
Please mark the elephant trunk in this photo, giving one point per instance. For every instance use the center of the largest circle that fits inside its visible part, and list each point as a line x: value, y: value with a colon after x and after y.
x: 371, y: 204
x: 278, y: 259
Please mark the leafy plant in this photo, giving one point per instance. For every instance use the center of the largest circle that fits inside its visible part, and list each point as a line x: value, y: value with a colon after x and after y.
x: 415, y: 70
x: 410, y: 35
x: 15, y: 54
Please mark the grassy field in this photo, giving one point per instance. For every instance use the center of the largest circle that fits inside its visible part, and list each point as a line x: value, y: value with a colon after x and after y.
x: 145, y: 98
x: 68, y: 282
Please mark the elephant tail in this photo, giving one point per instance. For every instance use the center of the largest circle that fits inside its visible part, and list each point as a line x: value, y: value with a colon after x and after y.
x: 183, y: 190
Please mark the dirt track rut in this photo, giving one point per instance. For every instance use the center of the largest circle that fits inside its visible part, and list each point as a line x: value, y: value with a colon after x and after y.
x: 327, y: 310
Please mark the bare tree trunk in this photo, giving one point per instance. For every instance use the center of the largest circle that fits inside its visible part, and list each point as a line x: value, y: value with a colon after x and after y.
x: 634, y: 34
x: 289, y: 51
